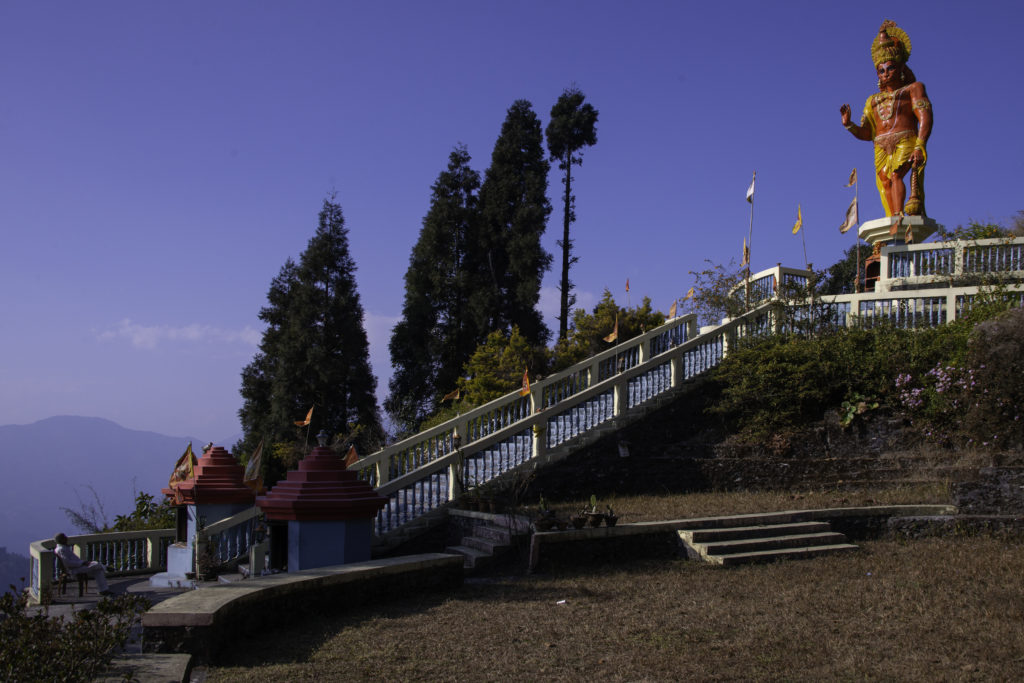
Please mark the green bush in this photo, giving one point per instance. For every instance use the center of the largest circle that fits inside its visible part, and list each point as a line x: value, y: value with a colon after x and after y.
x: 35, y: 647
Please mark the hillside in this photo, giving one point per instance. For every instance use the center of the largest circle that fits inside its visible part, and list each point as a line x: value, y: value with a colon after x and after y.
x: 59, y: 462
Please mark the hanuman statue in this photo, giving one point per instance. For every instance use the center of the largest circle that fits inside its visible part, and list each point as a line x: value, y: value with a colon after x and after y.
x: 899, y: 120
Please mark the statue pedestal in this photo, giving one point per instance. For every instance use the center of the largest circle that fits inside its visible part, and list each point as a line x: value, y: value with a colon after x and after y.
x: 879, y: 230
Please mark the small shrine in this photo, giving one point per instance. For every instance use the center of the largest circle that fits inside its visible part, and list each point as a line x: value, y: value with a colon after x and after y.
x: 209, y: 489
x: 321, y: 514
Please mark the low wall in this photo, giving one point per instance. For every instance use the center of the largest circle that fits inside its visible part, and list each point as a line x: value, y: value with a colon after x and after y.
x: 204, y: 621
x: 659, y: 539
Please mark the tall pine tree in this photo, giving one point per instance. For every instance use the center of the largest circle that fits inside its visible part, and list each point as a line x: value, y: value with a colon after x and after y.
x: 514, y: 212
x: 314, y: 351
x: 437, y: 332
x: 572, y: 127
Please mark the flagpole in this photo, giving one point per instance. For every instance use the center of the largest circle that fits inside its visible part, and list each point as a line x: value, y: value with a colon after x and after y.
x: 804, y: 240
x: 856, y: 233
x: 750, y: 242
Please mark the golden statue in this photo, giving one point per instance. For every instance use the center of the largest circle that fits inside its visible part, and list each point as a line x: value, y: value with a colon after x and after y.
x: 899, y: 120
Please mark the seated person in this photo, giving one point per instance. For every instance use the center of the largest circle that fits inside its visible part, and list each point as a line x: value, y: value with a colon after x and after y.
x: 73, y: 563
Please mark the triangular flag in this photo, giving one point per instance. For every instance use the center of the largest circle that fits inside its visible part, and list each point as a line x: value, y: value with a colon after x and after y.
x: 184, y: 469
x: 750, y: 190
x: 453, y: 396
x: 627, y: 284
x: 689, y: 294
x: 615, y: 331
x: 746, y: 254
x: 853, y: 178
x: 525, y: 391
x: 253, y: 477
x: 309, y: 417
x: 799, y: 220
x: 852, y: 218
x: 672, y: 310
x: 351, y: 458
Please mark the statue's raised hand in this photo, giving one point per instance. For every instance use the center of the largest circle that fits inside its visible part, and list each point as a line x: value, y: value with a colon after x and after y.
x: 844, y: 111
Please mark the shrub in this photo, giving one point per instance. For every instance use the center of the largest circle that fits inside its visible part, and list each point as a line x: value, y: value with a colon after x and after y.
x: 35, y: 647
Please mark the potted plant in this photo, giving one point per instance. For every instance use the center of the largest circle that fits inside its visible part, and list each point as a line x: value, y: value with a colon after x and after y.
x: 610, y: 518
x: 594, y: 518
x: 546, y: 517
x: 579, y: 520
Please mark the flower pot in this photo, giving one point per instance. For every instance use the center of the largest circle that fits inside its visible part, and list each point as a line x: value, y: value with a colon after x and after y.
x: 544, y: 524
x: 611, y: 520
x: 579, y: 521
x: 594, y: 519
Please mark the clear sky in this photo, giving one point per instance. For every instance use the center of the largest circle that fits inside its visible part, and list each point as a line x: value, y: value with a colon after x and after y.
x: 160, y: 161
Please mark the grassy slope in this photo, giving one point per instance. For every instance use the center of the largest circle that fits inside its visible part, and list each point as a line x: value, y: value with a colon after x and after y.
x: 937, y: 609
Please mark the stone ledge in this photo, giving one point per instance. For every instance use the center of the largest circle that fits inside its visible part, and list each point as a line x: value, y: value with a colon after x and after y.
x: 151, y: 668
x: 835, y: 515
x: 203, y: 621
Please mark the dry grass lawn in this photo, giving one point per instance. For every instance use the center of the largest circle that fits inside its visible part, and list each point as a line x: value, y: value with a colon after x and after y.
x: 935, y: 609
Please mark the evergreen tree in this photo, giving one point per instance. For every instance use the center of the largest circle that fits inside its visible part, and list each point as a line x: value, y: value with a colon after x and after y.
x: 314, y: 352
x: 514, y: 211
x: 572, y: 127
x: 437, y: 333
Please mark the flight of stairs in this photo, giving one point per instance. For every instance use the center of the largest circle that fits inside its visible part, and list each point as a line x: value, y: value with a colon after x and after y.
x: 486, y: 544
x: 733, y: 545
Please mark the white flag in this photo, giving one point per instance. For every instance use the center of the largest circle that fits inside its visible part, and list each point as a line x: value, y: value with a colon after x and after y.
x: 750, y: 190
x: 851, y: 217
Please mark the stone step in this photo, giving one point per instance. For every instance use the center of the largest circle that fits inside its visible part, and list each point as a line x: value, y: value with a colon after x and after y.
x: 749, y: 545
x: 744, y: 532
x: 494, y: 534
x: 781, y: 554
x: 483, y: 544
x: 474, y: 558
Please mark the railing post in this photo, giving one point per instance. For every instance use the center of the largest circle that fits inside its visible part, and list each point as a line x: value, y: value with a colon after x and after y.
x: 676, y: 368
x: 153, y: 552
x: 46, y: 560
x: 951, y: 312
x: 383, y: 466
x: 958, y: 259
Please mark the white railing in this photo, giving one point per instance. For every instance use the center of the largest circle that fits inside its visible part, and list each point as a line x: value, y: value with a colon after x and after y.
x: 122, y: 552
x: 950, y: 262
x: 231, y: 538
x: 422, y: 473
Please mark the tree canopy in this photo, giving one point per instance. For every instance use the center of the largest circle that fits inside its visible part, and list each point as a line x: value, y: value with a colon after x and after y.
x: 314, y: 353
x: 514, y: 211
x: 573, y: 126
x: 441, y: 324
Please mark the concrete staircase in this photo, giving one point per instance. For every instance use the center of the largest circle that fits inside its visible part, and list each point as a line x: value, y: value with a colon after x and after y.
x: 483, y: 547
x: 741, y: 543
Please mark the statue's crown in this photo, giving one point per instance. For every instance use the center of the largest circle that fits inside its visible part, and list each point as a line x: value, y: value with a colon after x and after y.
x: 892, y: 44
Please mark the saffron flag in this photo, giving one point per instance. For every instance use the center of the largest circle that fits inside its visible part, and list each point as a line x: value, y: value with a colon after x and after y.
x: 750, y: 190
x: 184, y: 469
x: 689, y: 294
x: 309, y: 417
x: 254, y: 470
x: 799, y: 220
x: 853, y: 178
x: 672, y: 310
x: 746, y: 254
x: 525, y: 391
x: 452, y: 396
x: 351, y: 458
x: 852, y: 218
x: 627, y: 284
x: 615, y: 331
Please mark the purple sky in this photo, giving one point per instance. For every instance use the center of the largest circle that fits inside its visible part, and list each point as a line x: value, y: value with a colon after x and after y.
x: 160, y: 161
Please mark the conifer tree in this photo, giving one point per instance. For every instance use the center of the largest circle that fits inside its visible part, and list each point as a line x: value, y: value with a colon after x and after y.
x: 572, y: 127
x: 437, y: 332
x: 314, y: 351
x: 514, y: 212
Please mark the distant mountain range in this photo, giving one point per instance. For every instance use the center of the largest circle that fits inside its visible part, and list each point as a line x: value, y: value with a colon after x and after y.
x: 60, y: 461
